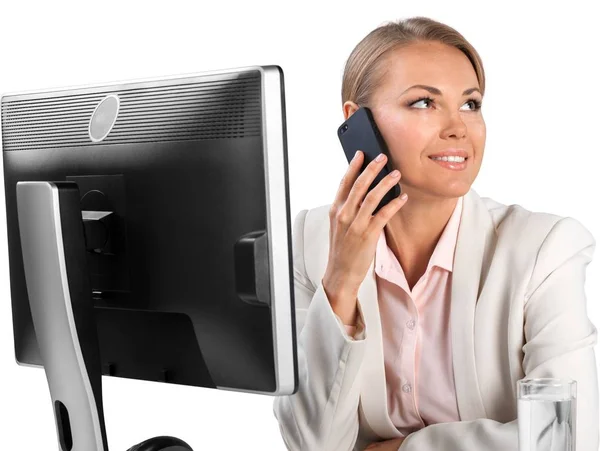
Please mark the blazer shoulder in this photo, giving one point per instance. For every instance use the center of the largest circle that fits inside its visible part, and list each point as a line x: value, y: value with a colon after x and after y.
x: 514, y: 218
x: 524, y: 217
x: 548, y: 238
x: 312, y: 225
x: 568, y: 240
x: 317, y: 219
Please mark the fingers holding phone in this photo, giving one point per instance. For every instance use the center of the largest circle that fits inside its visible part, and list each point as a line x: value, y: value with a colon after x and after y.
x: 368, y: 201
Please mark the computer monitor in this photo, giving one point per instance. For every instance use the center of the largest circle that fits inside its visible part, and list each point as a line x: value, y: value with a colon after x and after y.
x: 183, y: 194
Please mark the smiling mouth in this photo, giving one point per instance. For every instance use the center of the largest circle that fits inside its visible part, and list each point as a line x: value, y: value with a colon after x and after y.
x: 452, y: 165
x: 449, y: 161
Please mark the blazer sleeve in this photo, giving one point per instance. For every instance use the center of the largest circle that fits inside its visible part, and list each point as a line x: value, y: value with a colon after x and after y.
x: 323, y: 413
x: 560, y: 340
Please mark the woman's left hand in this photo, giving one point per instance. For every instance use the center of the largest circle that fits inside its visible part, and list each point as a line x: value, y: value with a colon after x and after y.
x: 388, y: 445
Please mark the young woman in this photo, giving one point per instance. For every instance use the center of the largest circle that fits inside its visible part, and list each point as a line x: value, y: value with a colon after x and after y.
x: 415, y: 324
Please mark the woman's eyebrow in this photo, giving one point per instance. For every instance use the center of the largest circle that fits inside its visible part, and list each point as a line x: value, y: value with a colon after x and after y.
x: 436, y: 91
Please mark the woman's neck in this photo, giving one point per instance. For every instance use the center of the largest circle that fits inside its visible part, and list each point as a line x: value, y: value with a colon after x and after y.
x: 413, y: 233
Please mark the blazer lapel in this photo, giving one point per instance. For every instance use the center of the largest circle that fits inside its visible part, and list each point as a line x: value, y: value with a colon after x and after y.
x: 475, y: 241
x: 476, y: 237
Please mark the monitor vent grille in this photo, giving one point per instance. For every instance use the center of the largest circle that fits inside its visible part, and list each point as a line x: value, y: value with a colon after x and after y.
x: 171, y: 111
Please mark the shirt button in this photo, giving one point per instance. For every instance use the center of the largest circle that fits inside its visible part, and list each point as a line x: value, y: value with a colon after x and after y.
x: 410, y: 324
x: 406, y: 388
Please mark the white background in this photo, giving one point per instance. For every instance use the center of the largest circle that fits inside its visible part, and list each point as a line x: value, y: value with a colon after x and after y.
x: 541, y: 109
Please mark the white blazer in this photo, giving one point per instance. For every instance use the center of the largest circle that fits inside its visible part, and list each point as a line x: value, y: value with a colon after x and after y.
x: 518, y: 310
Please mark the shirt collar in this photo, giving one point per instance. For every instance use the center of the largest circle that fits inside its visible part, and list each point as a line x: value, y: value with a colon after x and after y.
x: 443, y: 254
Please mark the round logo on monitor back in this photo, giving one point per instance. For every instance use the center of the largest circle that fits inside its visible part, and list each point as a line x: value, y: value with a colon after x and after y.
x: 104, y: 117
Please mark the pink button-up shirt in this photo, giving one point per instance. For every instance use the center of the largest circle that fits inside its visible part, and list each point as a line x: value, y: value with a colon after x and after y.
x: 416, y: 335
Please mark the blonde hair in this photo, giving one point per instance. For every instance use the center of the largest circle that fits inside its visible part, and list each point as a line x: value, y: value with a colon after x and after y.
x: 363, y: 73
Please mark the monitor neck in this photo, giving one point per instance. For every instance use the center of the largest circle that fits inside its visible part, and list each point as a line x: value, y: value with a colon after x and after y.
x: 59, y: 290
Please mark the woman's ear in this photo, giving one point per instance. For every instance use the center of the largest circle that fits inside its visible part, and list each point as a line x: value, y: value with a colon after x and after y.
x: 349, y: 108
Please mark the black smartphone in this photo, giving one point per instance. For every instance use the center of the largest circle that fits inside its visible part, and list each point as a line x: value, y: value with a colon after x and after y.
x: 360, y: 132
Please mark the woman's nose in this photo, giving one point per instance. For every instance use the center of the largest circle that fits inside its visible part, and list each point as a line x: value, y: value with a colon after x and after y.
x: 454, y: 126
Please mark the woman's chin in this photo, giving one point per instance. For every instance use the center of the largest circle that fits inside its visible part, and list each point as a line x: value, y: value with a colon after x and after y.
x: 446, y: 192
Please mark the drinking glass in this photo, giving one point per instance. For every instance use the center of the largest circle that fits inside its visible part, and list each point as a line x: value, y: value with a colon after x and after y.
x: 547, y: 414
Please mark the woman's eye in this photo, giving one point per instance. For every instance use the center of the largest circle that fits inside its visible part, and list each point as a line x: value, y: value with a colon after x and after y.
x: 426, y: 99
x: 476, y: 104
x: 472, y: 103
x: 423, y: 102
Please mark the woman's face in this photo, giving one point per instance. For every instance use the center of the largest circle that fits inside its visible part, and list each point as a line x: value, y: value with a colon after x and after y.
x: 415, y: 129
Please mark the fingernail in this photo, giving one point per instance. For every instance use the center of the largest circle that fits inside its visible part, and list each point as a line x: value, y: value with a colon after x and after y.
x: 395, y: 173
x: 403, y: 196
x: 356, y: 155
x: 379, y: 157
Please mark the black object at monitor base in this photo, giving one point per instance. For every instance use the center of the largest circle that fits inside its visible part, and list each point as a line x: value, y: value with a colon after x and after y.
x: 53, y: 245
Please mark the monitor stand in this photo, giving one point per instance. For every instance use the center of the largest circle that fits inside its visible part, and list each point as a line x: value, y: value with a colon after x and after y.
x: 53, y: 244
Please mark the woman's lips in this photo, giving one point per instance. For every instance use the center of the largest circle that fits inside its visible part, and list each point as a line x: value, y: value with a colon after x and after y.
x: 452, y: 165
